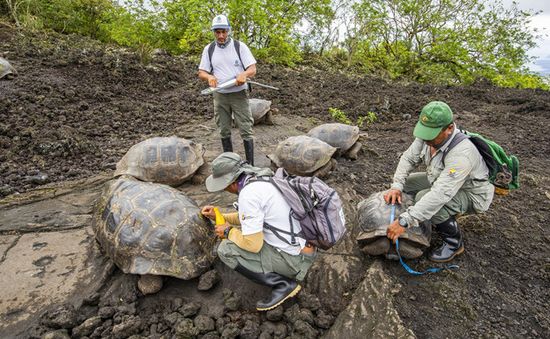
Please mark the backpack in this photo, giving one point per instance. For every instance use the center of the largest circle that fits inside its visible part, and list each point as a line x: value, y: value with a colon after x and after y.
x: 315, y: 205
x: 503, y: 168
x: 237, y: 44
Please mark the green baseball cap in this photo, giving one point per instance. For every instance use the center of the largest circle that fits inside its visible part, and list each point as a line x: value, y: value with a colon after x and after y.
x: 433, y: 118
x: 226, y: 168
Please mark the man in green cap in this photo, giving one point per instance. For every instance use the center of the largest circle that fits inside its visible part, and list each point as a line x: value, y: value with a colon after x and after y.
x: 456, y: 180
x: 260, y: 254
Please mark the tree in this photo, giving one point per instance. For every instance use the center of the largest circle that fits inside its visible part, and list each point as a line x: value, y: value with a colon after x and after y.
x: 269, y: 27
x: 445, y: 41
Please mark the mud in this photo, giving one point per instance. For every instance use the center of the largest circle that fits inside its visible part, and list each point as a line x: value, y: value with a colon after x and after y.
x: 77, y: 106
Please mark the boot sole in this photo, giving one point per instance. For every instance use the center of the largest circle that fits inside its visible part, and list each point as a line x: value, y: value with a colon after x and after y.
x: 460, y: 251
x: 290, y: 295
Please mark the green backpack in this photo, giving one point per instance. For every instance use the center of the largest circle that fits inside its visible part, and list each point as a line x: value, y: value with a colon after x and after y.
x: 503, y: 168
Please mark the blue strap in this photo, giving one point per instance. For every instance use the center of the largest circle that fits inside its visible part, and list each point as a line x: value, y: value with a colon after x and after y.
x: 428, y: 270
x: 405, y: 266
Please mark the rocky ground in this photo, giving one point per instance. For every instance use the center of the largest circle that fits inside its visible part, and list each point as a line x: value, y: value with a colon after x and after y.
x: 77, y: 106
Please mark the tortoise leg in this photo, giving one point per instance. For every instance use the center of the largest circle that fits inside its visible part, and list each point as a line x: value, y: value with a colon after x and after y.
x: 149, y: 283
x: 200, y: 175
x: 354, y: 150
x: 408, y: 250
x: 324, y: 171
x: 268, y: 118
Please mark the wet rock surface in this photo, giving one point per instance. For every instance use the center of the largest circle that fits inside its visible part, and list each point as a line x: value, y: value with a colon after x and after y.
x: 78, y: 106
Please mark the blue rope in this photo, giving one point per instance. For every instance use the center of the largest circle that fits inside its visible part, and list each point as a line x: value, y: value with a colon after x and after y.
x: 405, y: 266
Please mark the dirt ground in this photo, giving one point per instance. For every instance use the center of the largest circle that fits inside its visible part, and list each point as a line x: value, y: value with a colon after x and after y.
x: 78, y: 106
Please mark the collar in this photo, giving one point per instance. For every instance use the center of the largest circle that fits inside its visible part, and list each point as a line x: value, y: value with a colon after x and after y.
x: 448, y: 142
x: 242, y: 181
x: 225, y: 44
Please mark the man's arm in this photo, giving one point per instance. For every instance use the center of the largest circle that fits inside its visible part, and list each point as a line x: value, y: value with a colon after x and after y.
x: 248, y: 73
x: 251, y: 243
x: 445, y: 187
x: 209, y: 78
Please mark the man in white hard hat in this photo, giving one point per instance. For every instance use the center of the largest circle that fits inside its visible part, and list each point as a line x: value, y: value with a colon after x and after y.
x: 223, y: 60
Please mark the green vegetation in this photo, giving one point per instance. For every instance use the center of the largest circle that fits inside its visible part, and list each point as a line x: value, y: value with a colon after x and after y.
x: 432, y: 41
x: 339, y: 115
x: 368, y: 119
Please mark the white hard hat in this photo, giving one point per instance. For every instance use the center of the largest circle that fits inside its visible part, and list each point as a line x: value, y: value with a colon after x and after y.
x: 220, y: 22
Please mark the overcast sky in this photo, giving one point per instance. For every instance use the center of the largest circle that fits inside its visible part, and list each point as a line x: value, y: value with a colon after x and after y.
x: 542, y: 22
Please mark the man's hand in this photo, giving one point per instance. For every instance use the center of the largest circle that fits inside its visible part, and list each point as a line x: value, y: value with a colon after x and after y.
x: 220, y: 229
x: 241, y: 79
x: 392, y: 196
x: 212, y: 81
x: 395, y: 230
x: 208, y: 211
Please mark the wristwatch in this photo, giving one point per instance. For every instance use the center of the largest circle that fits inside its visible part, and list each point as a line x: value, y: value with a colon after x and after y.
x: 402, y: 222
x: 226, y: 232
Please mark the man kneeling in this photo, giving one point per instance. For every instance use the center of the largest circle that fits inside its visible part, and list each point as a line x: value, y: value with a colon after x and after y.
x: 265, y: 256
x: 456, y: 180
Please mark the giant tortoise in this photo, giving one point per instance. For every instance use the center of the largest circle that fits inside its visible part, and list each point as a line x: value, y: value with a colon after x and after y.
x: 165, y: 160
x: 261, y: 111
x: 152, y: 230
x: 303, y: 155
x: 343, y: 137
x: 374, y: 217
x: 6, y: 69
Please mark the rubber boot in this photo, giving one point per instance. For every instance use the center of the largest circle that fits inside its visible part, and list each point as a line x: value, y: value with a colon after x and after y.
x: 249, y: 150
x: 227, y: 145
x: 282, y: 287
x: 452, y: 241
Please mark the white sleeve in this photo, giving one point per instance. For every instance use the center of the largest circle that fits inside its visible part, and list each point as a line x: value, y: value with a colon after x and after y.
x: 251, y: 213
x: 205, y: 61
x: 246, y: 55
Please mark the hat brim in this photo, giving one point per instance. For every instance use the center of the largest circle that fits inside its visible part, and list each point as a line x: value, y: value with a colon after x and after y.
x: 426, y: 133
x: 227, y: 28
x: 220, y: 183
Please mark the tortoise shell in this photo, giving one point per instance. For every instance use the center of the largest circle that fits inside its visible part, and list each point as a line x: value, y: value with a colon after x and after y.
x: 337, y: 135
x: 149, y: 228
x: 374, y: 217
x: 6, y: 69
x: 259, y: 108
x: 302, y: 155
x: 165, y: 160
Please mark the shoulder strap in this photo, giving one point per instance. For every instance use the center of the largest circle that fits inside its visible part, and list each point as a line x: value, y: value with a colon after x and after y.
x: 457, y: 139
x: 211, y: 49
x: 238, y: 50
x: 274, y: 229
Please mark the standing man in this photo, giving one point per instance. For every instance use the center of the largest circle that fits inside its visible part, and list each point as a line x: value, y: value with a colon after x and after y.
x: 263, y: 255
x: 456, y: 180
x: 223, y: 60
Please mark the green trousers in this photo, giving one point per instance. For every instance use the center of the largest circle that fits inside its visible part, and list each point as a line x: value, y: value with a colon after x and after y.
x: 418, y: 184
x: 269, y: 259
x: 228, y: 106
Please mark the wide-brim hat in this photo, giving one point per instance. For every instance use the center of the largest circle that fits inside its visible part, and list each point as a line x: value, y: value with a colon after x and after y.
x: 226, y: 168
x: 433, y: 118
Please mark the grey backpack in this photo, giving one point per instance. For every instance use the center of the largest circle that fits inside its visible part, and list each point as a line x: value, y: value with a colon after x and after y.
x: 314, y: 204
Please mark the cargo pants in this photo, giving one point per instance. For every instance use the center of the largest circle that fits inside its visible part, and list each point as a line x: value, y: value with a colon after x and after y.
x: 269, y: 259
x: 418, y: 184
x: 228, y: 106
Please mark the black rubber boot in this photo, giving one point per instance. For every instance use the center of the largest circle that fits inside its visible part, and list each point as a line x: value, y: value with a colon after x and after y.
x: 249, y: 150
x: 452, y: 241
x: 227, y: 145
x: 282, y: 287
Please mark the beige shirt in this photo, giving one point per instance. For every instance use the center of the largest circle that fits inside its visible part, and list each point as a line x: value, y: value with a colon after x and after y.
x: 464, y: 169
